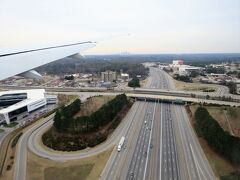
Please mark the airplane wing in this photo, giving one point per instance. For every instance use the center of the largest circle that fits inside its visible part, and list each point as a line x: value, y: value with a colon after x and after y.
x: 22, y: 62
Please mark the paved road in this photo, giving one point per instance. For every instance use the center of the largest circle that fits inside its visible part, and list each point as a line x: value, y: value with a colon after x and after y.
x: 30, y: 140
x: 165, y: 147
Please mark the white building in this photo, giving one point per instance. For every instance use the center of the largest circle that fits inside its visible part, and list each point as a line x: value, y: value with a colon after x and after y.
x: 125, y: 76
x: 17, y: 102
x: 185, y: 70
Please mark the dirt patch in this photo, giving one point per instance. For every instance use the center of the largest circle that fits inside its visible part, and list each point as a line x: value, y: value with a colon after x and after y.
x: 220, y: 165
x: 8, y: 168
x: 85, y: 169
x: 64, y: 99
x: 76, y: 172
x: 92, y: 105
x: 195, y: 86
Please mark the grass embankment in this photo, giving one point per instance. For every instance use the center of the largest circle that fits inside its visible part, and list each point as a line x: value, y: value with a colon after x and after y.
x: 13, y: 124
x: 7, y: 154
x: 227, y: 117
x: 65, y: 99
x: 78, y: 126
x: 220, y: 165
x: 195, y: 86
x: 2, y: 130
x: 92, y: 105
x: 84, y: 169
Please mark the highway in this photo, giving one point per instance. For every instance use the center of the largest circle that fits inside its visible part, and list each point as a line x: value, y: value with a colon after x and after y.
x: 160, y: 143
x: 165, y: 147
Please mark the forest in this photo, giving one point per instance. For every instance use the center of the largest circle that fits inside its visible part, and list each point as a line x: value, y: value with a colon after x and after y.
x: 221, y: 141
x: 93, y: 66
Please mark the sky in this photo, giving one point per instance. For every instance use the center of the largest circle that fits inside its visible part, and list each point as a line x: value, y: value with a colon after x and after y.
x: 133, y: 26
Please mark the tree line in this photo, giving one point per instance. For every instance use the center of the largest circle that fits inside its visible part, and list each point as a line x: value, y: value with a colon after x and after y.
x: 64, y: 115
x: 64, y: 120
x: 221, y: 141
x: 93, y: 66
x: 182, y: 78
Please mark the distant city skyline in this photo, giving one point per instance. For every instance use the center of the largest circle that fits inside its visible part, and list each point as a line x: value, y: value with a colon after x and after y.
x: 155, y: 26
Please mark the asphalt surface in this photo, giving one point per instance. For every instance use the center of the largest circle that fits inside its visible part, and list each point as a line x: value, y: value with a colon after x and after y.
x: 30, y: 140
x: 165, y: 147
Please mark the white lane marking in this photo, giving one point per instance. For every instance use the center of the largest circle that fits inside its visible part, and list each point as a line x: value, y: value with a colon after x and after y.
x: 161, y: 145
x: 197, y: 165
x: 144, y: 175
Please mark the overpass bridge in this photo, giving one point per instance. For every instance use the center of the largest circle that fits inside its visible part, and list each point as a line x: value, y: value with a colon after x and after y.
x: 178, y: 93
x: 179, y: 100
x: 147, y: 94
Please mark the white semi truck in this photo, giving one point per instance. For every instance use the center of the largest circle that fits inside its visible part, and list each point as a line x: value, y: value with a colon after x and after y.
x: 120, y: 144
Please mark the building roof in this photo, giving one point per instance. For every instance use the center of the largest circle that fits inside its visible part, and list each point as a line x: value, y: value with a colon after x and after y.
x: 32, y: 96
x: 124, y: 74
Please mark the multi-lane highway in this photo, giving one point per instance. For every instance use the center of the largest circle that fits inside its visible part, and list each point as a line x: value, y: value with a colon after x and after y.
x: 160, y: 143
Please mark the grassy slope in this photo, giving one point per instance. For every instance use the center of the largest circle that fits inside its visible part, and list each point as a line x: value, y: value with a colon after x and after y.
x: 84, y: 169
x: 220, y: 165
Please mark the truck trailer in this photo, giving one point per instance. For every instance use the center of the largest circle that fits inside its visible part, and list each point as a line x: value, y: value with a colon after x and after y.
x: 120, y: 144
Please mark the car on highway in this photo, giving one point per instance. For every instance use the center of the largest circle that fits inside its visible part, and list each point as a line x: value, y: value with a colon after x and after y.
x: 120, y: 144
x: 132, y: 175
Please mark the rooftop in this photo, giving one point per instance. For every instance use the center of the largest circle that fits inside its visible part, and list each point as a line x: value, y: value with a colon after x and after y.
x: 32, y: 96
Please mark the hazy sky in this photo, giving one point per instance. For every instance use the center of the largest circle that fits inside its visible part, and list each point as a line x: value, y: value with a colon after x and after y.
x: 156, y: 26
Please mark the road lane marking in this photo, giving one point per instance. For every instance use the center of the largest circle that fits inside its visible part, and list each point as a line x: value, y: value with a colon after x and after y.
x: 144, y: 175
x: 197, y: 165
x: 160, y: 175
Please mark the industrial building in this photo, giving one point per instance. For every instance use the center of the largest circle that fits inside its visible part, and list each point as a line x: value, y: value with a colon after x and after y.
x: 180, y: 68
x: 185, y: 70
x: 124, y: 76
x: 15, y: 103
x: 108, y: 76
x: 177, y: 62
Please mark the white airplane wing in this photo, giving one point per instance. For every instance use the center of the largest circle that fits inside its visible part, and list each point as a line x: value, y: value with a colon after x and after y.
x: 23, y: 62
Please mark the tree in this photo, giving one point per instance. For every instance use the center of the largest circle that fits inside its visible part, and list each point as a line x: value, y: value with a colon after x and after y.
x: 194, y: 74
x: 134, y: 82
x: 71, y: 77
x: 232, y: 87
x: 219, y: 70
x: 183, y: 78
x: 57, y: 120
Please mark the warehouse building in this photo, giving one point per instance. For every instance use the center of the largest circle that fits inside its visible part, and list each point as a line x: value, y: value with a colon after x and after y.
x: 15, y: 103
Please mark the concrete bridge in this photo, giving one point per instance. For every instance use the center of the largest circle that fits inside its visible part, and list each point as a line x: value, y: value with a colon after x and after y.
x: 147, y: 94
x: 179, y: 100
